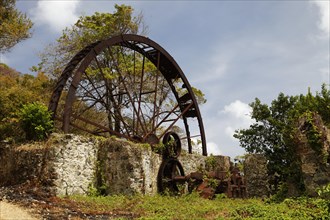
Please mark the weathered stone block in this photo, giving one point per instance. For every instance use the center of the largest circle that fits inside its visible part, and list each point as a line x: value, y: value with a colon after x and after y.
x: 256, y: 177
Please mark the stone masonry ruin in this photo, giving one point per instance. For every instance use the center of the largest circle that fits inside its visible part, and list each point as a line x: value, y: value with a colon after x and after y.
x: 69, y: 164
x: 314, y: 162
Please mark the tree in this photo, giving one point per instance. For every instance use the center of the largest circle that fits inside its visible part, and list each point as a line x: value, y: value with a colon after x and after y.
x: 14, y: 27
x: 17, y: 90
x: 87, y: 30
x: 273, y: 132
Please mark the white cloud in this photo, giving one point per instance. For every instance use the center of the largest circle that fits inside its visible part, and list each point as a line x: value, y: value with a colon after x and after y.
x: 324, y: 22
x: 55, y: 14
x: 221, y: 127
x: 237, y: 109
x: 213, y: 148
x: 237, y: 115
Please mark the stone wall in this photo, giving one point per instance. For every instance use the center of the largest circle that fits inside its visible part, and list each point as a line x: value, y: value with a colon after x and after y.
x: 130, y: 168
x: 65, y: 164
x: 196, y: 162
x: 314, y: 161
x: 127, y: 168
x: 256, y: 177
x: 26, y: 162
x: 74, y: 161
x: 69, y: 164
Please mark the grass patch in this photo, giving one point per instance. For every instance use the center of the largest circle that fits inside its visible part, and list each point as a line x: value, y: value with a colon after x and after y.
x: 193, y: 207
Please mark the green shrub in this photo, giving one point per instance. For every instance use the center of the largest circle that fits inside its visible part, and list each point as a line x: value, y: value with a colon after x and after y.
x: 324, y: 192
x: 210, y: 163
x: 36, y: 121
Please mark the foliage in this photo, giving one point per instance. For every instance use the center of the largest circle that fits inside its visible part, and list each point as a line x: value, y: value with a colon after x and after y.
x: 87, y: 30
x: 14, y: 27
x: 273, y: 133
x: 200, y: 96
x: 159, y: 148
x: 324, y: 192
x: 36, y: 121
x: 280, y: 194
x: 239, y: 162
x: 99, y: 187
x: 210, y: 163
x: 314, y: 135
x: 191, y: 206
x: 15, y: 91
x: 211, y: 182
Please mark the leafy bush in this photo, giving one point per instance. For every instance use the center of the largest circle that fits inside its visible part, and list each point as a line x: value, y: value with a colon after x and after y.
x: 324, y: 192
x: 210, y: 163
x: 36, y: 121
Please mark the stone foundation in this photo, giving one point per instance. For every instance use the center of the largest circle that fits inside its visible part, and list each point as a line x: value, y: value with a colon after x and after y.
x: 69, y: 164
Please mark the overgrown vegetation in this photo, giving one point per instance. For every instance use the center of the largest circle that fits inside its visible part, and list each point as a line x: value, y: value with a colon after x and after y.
x: 274, y: 133
x: 324, y: 192
x: 191, y: 206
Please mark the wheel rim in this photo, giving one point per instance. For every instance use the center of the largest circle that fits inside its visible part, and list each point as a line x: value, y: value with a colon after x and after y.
x: 133, y: 86
x: 172, y: 143
x: 166, y: 179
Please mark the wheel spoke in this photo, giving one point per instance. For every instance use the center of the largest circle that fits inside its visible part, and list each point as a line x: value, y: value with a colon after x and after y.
x: 121, y: 78
x: 116, y: 105
x: 130, y: 87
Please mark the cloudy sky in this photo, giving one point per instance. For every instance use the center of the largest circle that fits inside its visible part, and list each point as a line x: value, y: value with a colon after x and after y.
x: 233, y: 51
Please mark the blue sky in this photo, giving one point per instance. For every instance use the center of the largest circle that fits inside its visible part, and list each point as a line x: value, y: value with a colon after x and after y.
x: 233, y: 51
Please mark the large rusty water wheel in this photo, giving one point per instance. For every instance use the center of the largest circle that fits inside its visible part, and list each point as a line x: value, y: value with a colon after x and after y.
x: 130, y: 87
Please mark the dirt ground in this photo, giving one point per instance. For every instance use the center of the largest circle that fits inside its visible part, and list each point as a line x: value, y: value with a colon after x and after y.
x: 9, y: 211
x: 26, y: 202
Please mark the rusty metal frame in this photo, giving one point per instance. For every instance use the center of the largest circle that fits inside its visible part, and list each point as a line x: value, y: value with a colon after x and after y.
x: 150, y: 50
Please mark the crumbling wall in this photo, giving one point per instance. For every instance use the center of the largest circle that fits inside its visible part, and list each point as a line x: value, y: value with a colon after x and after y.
x: 312, y: 149
x: 65, y: 164
x: 256, y: 177
x: 74, y: 162
x: 314, y: 160
x: 70, y: 164
x: 6, y: 163
x: 130, y: 168
x: 28, y: 162
x: 127, y: 168
x: 195, y: 162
